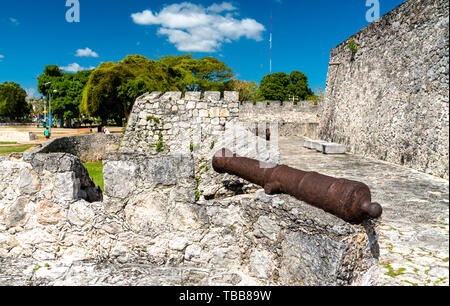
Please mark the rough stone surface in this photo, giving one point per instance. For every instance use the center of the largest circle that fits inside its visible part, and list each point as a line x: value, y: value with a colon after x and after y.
x: 145, y: 184
x: 153, y: 232
x: 88, y: 148
x: 172, y: 124
x: 219, y: 247
x: 391, y: 102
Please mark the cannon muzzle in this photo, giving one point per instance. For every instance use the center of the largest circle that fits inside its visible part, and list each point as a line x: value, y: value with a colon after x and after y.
x: 346, y: 199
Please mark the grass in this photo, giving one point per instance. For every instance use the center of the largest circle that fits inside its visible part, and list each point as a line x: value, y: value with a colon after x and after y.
x: 391, y: 271
x: 6, y: 150
x: 95, y: 171
x: 7, y: 143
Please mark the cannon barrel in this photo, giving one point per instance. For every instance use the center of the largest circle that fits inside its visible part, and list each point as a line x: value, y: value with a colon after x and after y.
x: 346, y: 199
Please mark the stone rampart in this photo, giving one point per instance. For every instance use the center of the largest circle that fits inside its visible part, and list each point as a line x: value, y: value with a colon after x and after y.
x: 150, y: 216
x: 299, y: 119
x: 88, y: 148
x: 390, y: 101
x: 164, y: 206
x: 170, y: 123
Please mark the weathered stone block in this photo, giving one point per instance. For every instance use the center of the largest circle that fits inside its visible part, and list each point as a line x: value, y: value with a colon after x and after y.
x: 212, y: 96
x: 203, y: 113
x: 172, y: 95
x: 224, y: 112
x: 317, y: 249
x: 275, y: 105
x: 334, y: 148
x: 231, y: 96
x: 126, y: 173
x: 287, y: 106
x: 261, y: 104
x: 190, y: 105
x: 192, y: 96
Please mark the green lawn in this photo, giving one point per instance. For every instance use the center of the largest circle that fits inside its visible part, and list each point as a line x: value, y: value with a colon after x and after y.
x: 96, y: 173
x: 6, y: 150
x: 7, y: 143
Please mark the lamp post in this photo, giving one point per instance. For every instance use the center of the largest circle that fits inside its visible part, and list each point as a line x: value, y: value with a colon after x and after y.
x: 50, y: 118
x: 50, y: 105
x: 50, y: 111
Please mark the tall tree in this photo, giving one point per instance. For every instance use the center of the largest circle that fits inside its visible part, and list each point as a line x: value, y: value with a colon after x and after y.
x: 113, y: 87
x: 102, y: 96
x: 280, y: 86
x: 12, y: 101
x: 274, y: 86
x: 298, y: 86
x: 66, y: 91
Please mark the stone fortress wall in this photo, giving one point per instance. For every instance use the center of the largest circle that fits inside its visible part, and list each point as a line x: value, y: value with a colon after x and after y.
x: 301, y: 119
x: 283, y: 111
x: 391, y: 102
x: 177, y: 124
x: 180, y: 123
x: 164, y: 207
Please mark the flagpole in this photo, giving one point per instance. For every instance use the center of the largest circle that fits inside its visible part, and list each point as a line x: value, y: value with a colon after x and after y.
x: 271, y: 29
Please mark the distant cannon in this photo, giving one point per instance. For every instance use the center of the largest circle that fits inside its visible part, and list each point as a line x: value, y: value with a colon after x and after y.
x: 348, y: 200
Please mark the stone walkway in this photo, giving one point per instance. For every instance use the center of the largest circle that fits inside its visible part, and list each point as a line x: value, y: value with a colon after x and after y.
x: 414, y: 228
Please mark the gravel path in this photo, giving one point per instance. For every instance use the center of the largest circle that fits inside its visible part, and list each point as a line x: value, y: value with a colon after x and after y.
x: 414, y: 228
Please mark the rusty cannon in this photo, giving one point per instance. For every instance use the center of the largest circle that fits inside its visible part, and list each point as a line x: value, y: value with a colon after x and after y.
x: 346, y: 199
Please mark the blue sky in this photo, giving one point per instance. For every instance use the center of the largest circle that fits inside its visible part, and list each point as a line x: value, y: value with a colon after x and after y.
x: 36, y: 33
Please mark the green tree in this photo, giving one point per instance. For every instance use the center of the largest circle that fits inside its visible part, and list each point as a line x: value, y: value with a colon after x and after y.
x: 207, y: 74
x: 280, y: 86
x: 105, y: 90
x: 299, y: 86
x: 274, y: 87
x: 113, y: 87
x: 13, y: 103
x: 66, y: 91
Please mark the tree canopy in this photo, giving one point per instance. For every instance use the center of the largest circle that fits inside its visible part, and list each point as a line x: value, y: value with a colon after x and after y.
x: 66, y: 90
x: 113, y: 87
x: 248, y: 90
x: 280, y: 86
x: 12, y: 101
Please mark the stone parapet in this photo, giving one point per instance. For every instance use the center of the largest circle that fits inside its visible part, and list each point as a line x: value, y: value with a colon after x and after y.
x: 88, y: 148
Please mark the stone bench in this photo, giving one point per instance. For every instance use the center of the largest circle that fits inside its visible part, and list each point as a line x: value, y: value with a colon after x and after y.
x: 325, y: 147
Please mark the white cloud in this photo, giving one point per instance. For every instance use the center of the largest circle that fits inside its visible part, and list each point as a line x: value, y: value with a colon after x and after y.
x: 86, y: 53
x: 75, y: 68
x: 194, y: 28
x: 219, y: 8
x: 1, y: 58
x: 14, y: 21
